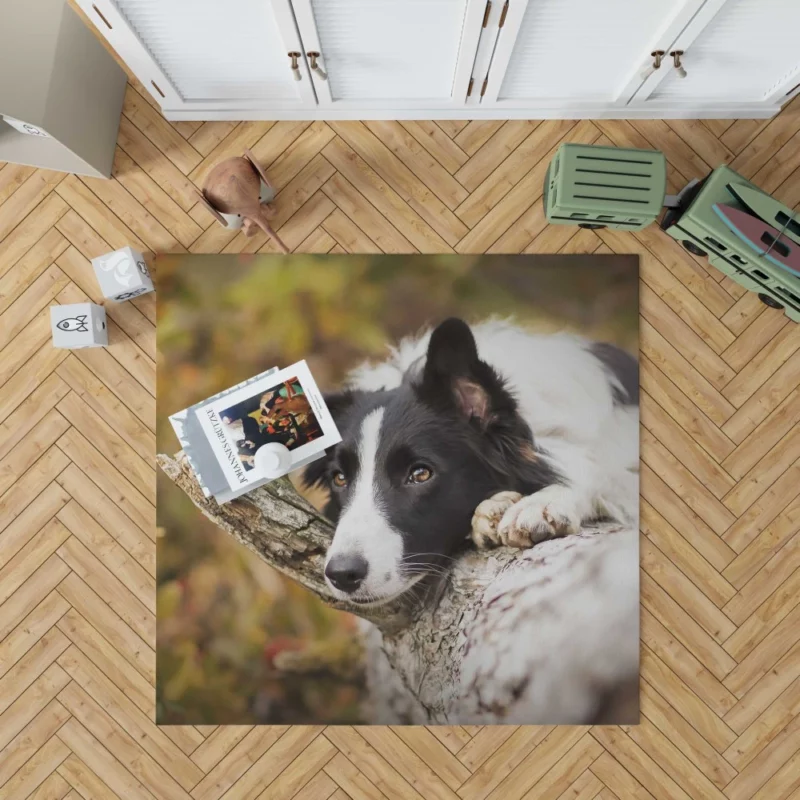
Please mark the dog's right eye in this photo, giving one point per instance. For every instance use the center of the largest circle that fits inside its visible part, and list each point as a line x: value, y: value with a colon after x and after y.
x: 339, y: 479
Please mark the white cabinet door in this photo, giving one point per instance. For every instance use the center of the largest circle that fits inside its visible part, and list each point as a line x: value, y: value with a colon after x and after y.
x: 390, y: 54
x: 734, y: 51
x: 230, y: 55
x: 579, y: 54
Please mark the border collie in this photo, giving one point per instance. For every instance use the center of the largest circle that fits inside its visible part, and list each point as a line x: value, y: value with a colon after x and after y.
x: 493, y: 432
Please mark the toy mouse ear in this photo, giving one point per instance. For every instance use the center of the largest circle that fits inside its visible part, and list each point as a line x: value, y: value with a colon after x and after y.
x: 257, y: 167
x: 214, y: 213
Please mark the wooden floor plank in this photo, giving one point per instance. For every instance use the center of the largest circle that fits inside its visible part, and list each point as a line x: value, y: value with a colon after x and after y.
x: 37, y: 769
x: 761, y: 732
x: 31, y: 593
x: 685, y: 593
x: 92, y: 765
x: 383, y: 197
x: 31, y: 666
x: 24, y: 383
x: 102, y: 382
x: 31, y: 738
x: 106, y: 585
x: 115, y: 458
x: 407, y: 185
x: 26, y: 198
x: 85, y: 783
x: 475, y: 134
x: 683, y: 555
x: 209, y: 134
x: 690, y: 633
x: 19, y: 241
x: 679, y: 732
x: 143, y: 152
x: 124, y: 712
x: 31, y: 301
x: 31, y: 630
x: 108, y: 516
x: 30, y: 267
x: 122, y: 746
x: 23, y: 538
x: 227, y: 772
x: 782, y: 566
x: 681, y: 444
x: 152, y: 197
x: 427, y: 169
x: 350, y: 201
x: 352, y: 783
x: 160, y: 132
x: 12, y: 176
x: 437, y: 143
x: 499, y: 182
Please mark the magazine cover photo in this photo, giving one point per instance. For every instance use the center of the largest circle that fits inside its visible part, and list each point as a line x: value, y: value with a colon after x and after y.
x: 281, y: 414
x: 454, y: 538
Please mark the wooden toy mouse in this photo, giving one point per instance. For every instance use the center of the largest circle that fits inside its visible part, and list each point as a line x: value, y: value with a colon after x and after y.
x: 234, y: 188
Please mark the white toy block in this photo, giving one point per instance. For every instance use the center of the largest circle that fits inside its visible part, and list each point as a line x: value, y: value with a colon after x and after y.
x: 122, y: 274
x: 78, y: 325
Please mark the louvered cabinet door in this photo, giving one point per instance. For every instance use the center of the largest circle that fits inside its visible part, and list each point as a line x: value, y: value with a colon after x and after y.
x: 734, y: 52
x: 208, y: 54
x: 567, y: 54
x: 389, y: 54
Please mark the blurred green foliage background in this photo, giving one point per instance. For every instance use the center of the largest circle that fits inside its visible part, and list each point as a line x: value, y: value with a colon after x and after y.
x: 224, y: 617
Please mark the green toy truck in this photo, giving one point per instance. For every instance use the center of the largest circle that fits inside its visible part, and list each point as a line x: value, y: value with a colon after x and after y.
x: 598, y: 187
x: 696, y: 225
x: 605, y: 187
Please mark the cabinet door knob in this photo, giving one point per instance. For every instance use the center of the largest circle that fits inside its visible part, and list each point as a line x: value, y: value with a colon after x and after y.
x: 657, y: 55
x: 676, y: 60
x: 295, y: 66
x: 313, y: 56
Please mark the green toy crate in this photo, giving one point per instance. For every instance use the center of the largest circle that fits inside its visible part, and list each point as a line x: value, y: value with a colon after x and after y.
x: 598, y: 187
x: 700, y: 230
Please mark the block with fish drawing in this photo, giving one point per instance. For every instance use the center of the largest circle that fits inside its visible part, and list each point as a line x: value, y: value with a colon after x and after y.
x: 78, y: 325
x: 123, y: 274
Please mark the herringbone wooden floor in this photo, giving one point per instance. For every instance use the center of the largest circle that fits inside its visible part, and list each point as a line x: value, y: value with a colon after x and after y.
x: 720, y: 486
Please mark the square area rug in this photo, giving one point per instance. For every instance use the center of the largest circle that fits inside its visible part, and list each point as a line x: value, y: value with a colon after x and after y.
x: 464, y: 549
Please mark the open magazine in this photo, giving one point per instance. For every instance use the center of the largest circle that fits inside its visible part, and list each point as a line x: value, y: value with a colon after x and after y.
x: 222, y: 434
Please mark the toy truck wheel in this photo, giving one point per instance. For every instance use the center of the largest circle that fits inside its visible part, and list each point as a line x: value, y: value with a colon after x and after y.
x: 592, y: 226
x: 769, y: 301
x: 693, y: 248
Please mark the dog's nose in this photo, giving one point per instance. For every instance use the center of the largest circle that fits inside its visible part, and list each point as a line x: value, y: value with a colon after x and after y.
x: 346, y: 572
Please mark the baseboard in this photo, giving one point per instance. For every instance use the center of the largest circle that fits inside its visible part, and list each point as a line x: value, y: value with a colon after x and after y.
x: 651, y: 111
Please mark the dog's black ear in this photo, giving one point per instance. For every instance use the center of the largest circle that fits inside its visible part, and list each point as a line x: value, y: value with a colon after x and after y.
x: 316, y: 472
x: 452, y: 347
x: 454, y: 375
x: 339, y: 403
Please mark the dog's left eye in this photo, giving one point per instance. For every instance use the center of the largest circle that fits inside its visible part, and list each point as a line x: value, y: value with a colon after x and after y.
x: 419, y: 474
x: 339, y: 479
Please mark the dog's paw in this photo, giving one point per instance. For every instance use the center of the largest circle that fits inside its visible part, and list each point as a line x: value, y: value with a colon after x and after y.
x: 487, y: 516
x: 548, y: 514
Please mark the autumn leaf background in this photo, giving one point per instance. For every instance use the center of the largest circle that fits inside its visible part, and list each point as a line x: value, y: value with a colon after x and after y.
x: 237, y: 642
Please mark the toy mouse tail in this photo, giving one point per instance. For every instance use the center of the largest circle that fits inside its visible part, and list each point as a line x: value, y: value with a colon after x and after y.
x: 267, y: 228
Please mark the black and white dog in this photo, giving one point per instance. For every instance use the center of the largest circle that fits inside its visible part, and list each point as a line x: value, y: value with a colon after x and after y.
x: 510, y: 436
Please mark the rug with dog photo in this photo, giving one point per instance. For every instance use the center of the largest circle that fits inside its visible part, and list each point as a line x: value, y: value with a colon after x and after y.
x: 461, y: 546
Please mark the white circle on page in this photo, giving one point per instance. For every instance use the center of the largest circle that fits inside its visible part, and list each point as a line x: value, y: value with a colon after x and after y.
x: 273, y: 460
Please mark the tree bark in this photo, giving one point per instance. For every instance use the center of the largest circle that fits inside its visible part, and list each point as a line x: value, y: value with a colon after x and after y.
x: 539, y: 636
